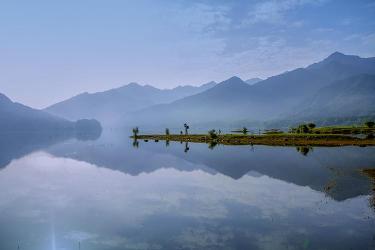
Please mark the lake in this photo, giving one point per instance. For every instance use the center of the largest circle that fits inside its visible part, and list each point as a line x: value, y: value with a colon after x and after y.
x: 58, y: 192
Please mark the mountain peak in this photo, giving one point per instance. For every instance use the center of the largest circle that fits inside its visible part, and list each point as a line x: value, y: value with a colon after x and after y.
x: 334, y: 58
x: 336, y: 54
x: 133, y: 84
x: 234, y: 80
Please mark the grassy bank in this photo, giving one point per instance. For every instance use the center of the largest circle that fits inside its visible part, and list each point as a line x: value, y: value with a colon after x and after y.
x: 284, y: 139
x: 343, y: 130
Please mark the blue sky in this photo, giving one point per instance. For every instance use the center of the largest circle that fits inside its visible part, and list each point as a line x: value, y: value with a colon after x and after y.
x: 51, y: 50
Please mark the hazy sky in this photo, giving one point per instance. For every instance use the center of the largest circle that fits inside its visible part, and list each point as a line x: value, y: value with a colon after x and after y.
x: 51, y: 50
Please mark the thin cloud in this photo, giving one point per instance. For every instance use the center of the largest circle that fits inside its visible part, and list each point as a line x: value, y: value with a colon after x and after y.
x: 274, y: 12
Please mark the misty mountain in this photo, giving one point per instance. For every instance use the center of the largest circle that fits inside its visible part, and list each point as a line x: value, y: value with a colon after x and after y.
x: 235, y: 100
x: 252, y: 81
x: 302, y: 82
x: 110, y: 105
x: 18, y: 117
x: 353, y: 96
x: 229, y: 99
x: 15, y: 117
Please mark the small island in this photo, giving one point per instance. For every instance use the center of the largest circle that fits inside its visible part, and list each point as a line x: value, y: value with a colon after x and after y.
x: 302, y: 135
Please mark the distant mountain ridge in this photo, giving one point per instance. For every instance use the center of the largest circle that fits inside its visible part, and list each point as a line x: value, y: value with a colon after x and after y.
x: 108, y: 106
x: 17, y: 117
x: 230, y: 101
x: 352, y: 96
x: 234, y: 100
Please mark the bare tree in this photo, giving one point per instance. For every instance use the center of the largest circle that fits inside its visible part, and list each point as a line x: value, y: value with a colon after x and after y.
x: 186, y: 128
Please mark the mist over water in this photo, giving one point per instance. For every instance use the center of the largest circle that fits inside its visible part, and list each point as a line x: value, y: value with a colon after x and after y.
x: 108, y: 194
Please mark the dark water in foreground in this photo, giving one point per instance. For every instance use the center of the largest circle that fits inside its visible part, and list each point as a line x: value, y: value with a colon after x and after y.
x: 57, y: 193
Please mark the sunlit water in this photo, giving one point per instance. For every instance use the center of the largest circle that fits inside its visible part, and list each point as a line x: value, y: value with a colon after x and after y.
x: 61, y: 193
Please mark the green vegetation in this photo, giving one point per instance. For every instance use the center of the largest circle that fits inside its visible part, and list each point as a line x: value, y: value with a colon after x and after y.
x: 245, y: 130
x: 366, y: 129
x: 311, y: 125
x: 303, y: 137
x: 167, y: 131
x: 212, y: 134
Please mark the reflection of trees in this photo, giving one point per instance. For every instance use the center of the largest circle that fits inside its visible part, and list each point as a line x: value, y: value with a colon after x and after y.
x: 212, y: 145
x: 135, y: 143
x: 304, y: 150
x: 167, y: 143
x: 186, y: 147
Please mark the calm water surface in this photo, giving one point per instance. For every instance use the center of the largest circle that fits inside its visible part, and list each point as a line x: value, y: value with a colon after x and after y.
x: 62, y: 193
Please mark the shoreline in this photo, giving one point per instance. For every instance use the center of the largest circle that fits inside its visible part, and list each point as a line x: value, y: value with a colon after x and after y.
x: 285, y: 139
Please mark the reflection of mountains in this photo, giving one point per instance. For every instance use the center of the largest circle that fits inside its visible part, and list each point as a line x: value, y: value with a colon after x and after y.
x: 16, y: 145
x: 333, y: 170
x: 116, y: 152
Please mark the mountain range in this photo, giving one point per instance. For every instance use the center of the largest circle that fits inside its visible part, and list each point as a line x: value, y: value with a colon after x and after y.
x: 338, y: 86
x: 352, y: 96
x: 113, y: 104
x: 16, y: 117
x: 279, y: 96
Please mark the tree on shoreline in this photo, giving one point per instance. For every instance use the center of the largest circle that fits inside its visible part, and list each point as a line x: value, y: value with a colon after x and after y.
x: 245, y: 130
x: 212, y: 134
x: 370, y: 124
x: 311, y: 125
x: 135, y: 131
x: 186, y: 128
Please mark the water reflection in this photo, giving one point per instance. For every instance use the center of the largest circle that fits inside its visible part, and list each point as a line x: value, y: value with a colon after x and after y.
x: 135, y: 142
x: 107, y: 194
x: 169, y: 209
x: 334, y: 171
x: 16, y: 145
x: 212, y: 145
x: 186, y: 147
x: 304, y: 150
